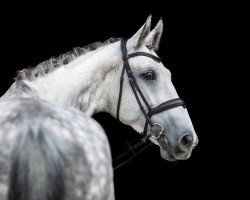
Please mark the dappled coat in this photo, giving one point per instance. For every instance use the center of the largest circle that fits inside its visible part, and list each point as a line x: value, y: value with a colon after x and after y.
x: 52, y: 152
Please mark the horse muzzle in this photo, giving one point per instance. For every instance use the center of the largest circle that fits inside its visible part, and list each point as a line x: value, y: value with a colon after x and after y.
x: 179, y: 149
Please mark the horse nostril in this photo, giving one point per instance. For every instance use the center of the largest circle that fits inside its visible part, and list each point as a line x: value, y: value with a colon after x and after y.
x: 185, y: 142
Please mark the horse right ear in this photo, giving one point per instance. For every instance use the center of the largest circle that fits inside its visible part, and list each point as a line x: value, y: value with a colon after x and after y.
x: 138, y: 39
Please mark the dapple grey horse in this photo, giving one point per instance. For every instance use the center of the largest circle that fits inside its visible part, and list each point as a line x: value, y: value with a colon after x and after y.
x: 40, y: 125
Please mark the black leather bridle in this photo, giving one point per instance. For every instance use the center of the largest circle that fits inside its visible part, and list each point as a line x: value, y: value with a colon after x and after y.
x: 158, y: 128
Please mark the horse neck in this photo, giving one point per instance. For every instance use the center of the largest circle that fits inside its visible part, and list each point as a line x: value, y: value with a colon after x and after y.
x: 82, y: 83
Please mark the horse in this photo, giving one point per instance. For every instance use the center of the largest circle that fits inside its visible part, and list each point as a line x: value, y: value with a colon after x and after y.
x: 122, y: 77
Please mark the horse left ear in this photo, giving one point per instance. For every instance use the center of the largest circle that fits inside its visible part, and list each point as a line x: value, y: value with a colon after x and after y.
x: 138, y: 39
x: 154, y: 36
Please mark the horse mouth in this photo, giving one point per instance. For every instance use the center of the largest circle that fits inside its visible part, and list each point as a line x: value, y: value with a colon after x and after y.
x: 165, y: 150
x: 166, y: 155
x: 168, y: 152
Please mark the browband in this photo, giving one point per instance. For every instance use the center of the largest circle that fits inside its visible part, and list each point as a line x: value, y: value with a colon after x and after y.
x: 141, y: 54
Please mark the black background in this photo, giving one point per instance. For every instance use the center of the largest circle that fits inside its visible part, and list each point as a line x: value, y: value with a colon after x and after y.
x: 191, y: 45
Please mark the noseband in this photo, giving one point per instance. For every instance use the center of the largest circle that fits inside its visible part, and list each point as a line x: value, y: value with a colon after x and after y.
x: 156, y: 130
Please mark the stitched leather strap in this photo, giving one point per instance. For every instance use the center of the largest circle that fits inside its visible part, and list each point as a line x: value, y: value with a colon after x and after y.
x: 142, y: 54
x: 120, y: 94
x: 166, y: 106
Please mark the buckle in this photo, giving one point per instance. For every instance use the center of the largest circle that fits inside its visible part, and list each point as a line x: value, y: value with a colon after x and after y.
x: 158, y: 134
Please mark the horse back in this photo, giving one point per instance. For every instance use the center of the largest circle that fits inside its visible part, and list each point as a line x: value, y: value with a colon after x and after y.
x: 51, y: 152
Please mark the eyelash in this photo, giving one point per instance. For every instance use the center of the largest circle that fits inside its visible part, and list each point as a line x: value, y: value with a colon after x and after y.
x: 149, y: 75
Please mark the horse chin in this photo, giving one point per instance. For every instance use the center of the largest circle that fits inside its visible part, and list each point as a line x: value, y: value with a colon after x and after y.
x: 166, y: 155
x: 165, y: 150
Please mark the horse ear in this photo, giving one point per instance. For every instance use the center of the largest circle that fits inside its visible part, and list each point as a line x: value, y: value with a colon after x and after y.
x: 154, y: 37
x: 139, y: 37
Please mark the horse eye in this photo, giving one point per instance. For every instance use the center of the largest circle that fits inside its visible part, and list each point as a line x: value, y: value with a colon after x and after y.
x: 150, y: 75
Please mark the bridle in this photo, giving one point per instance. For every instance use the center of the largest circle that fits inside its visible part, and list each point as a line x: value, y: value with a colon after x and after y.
x: 156, y: 130
x: 137, y: 91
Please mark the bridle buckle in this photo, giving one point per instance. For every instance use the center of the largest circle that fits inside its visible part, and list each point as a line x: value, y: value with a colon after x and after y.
x: 155, y: 134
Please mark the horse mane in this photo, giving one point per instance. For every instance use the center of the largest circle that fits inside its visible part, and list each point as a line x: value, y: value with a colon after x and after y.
x: 55, y: 62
